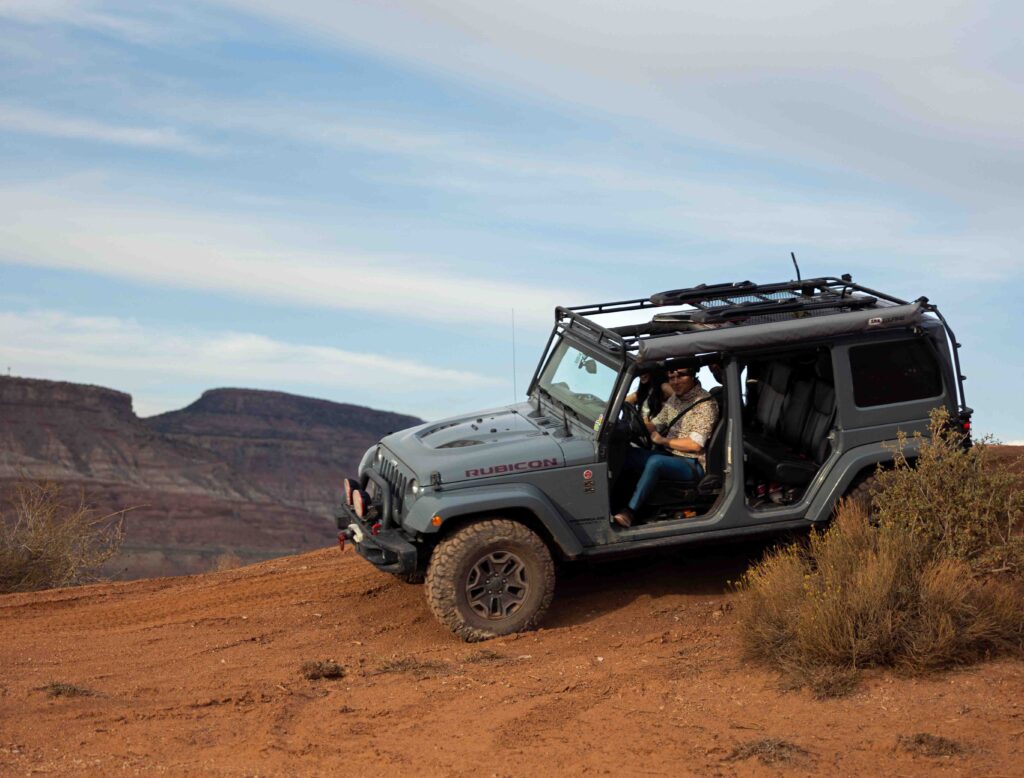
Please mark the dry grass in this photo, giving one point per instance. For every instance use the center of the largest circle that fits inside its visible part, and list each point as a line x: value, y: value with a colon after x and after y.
x: 418, y: 668
x: 930, y: 745
x: 229, y: 560
x: 769, y: 751
x: 314, y: 670
x: 918, y: 592
x: 49, y: 542
x: 486, y: 656
x: 62, y: 689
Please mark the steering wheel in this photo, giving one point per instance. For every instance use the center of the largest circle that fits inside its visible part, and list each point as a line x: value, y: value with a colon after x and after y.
x: 638, y: 432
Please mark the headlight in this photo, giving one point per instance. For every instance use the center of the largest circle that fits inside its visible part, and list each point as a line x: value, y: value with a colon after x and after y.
x: 350, y: 486
x: 379, y: 457
x: 361, y: 503
x: 414, y: 487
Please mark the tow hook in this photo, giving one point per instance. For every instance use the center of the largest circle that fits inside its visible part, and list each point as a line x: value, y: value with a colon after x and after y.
x: 351, y: 532
x: 344, y: 536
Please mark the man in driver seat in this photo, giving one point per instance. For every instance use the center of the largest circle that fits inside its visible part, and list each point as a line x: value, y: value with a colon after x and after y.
x: 680, y: 431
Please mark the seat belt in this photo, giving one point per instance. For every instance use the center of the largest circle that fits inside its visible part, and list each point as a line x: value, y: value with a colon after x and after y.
x: 685, y: 411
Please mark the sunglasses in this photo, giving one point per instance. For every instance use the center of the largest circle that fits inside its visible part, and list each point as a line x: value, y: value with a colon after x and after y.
x: 680, y: 374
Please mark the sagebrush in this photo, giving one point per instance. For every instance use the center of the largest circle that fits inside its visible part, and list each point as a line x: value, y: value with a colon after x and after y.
x: 927, y: 576
x: 959, y: 502
x: 47, y: 540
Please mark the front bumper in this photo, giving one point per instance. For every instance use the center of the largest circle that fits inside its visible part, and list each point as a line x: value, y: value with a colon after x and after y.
x: 388, y: 550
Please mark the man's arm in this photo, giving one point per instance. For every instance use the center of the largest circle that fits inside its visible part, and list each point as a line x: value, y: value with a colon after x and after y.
x: 688, y: 445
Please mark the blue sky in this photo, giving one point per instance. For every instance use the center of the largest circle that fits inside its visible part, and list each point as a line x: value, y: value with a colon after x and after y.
x: 348, y: 200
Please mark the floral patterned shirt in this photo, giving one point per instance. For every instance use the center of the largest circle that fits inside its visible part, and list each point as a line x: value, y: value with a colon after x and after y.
x: 696, y: 424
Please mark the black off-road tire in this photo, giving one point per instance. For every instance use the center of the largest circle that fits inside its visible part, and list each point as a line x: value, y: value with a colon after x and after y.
x: 457, y: 562
x: 864, y: 491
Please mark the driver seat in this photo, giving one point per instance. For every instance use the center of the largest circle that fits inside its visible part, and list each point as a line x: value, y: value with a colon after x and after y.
x: 676, y: 494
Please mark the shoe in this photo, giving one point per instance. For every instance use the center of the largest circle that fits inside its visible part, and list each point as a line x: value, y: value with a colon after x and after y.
x: 623, y: 518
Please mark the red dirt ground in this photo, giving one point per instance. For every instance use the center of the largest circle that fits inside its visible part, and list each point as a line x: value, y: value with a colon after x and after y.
x: 637, y: 671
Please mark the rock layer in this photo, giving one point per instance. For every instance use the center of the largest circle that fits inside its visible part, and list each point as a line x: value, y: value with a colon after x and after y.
x: 253, y: 473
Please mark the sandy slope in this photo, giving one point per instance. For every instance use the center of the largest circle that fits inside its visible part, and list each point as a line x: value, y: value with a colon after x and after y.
x: 637, y: 672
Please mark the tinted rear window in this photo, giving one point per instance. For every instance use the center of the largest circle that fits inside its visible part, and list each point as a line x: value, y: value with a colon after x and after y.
x: 895, y: 372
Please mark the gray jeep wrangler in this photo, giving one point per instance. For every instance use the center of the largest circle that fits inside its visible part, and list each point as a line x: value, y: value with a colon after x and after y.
x: 815, y: 379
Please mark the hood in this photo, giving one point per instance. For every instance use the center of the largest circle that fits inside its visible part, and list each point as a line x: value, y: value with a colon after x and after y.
x: 479, y: 445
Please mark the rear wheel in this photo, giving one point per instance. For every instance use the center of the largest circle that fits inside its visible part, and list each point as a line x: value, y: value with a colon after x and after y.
x: 864, y: 492
x: 490, y: 578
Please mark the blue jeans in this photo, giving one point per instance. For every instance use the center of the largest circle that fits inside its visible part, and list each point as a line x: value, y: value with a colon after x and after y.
x: 654, y: 467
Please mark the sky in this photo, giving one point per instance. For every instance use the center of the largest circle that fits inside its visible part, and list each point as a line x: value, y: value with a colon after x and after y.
x: 382, y: 203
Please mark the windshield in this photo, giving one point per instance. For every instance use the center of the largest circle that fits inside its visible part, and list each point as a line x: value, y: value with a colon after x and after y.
x: 578, y: 381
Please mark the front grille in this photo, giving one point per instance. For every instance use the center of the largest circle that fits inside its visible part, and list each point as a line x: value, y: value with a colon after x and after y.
x: 397, y: 481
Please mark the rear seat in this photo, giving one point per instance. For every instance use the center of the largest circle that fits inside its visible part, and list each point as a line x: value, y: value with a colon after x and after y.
x: 788, y: 439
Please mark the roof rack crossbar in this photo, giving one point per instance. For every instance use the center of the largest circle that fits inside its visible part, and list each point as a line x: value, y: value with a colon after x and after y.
x: 707, y: 292
x: 569, y: 319
x: 770, y: 307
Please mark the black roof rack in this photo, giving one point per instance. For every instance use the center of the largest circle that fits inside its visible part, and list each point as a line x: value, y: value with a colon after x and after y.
x: 740, y: 304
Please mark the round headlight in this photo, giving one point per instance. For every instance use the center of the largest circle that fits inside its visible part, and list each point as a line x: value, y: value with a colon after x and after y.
x: 350, y: 486
x: 379, y: 457
x: 360, y: 503
x: 414, y: 487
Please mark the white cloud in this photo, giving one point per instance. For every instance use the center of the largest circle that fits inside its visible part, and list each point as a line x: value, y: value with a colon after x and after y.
x: 188, y: 250
x: 97, y: 15
x: 924, y: 91
x: 33, y: 122
x: 651, y: 201
x: 125, y: 354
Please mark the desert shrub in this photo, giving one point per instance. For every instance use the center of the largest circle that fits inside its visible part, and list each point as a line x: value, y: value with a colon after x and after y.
x: 228, y: 560
x: 769, y: 751
x: 47, y: 541
x: 961, y: 503
x: 62, y: 689
x: 928, y: 577
x: 316, y: 669
x: 926, y: 744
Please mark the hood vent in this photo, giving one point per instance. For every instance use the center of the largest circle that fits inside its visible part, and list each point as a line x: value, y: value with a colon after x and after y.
x: 460, y: 443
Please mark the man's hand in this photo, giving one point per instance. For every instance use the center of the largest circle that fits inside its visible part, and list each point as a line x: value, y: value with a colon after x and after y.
x: 676, y: 444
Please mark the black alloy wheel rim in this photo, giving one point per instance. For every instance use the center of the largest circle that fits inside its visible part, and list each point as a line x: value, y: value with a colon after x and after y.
x: 496, y: 586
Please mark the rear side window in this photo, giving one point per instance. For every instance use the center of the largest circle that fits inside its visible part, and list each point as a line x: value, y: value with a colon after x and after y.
x: 894, y: 372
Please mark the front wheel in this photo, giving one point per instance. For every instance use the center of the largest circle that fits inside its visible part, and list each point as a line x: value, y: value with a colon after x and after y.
x: 490, y: 578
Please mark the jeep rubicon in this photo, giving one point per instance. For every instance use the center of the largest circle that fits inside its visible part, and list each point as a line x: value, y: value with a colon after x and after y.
x: 817, y: 378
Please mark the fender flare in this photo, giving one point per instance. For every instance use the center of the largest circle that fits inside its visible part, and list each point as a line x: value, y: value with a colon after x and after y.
x: 451, y: 504
x: 850, y: 464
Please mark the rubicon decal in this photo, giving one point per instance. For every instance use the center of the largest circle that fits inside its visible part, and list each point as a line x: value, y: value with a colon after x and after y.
x: 533, y: 464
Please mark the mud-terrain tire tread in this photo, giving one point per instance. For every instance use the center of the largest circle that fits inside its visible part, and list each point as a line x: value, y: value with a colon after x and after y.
x: 441, y: 584
x: 864, y: 490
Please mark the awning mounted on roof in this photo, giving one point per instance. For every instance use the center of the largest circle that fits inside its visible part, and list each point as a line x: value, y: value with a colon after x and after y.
x: 779, y: 333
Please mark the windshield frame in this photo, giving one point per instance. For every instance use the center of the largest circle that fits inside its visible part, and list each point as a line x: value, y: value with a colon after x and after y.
x: 558, y: 350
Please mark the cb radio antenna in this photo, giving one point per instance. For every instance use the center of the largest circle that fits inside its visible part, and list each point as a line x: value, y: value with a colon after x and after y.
x: 793, y: 255
x: 515, y: 391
